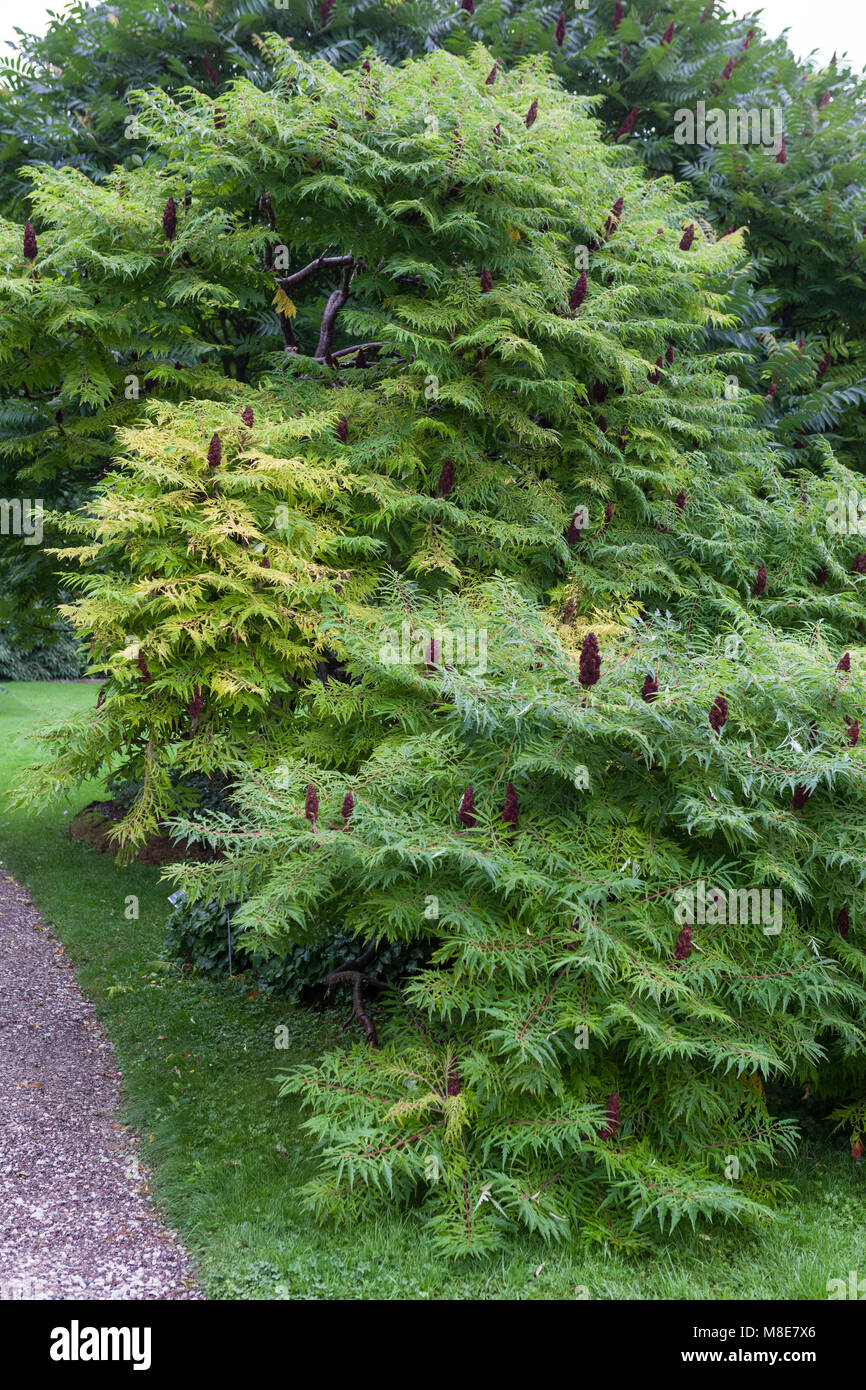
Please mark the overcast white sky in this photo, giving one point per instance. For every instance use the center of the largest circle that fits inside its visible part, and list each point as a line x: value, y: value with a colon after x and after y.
x: 824, y: 25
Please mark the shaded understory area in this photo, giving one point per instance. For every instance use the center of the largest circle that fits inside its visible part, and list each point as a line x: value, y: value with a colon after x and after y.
x: 199, y: 1064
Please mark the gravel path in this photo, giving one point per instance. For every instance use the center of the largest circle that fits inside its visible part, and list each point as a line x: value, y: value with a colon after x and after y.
x: 76, y: 1220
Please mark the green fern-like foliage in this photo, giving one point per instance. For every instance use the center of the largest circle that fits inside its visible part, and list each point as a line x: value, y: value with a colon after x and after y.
x: 574, y: 1060
x: 454, y: 294
x: 796, y: 346
x: 560, y: 992
x: 104, y: 314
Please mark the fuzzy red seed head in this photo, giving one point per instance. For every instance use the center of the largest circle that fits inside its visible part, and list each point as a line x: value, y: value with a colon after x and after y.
x: 247, y: 416
x: 311, y: 804
x: 486, y: 282
x: 727, y: 70
x: 612, y: 1115
x: 628, y: 124
x: 559, y: 32
x: 466, y: 810
x: 488, y: 82
x: 446, y: 479
x: 843, y: 922
x: 578, y: 294
x: 365, y: 66
x: 681, y: 501
x: 718, y: 715
x: 824, y: 364
x: 568, y: 612
x: 667, y: 36
x: 589, y: 667
x: 210, y: 72
x: 531, y: 115
x: 325, y: 9
x: 853, y: 733
x: 342, y: 429
x: 800, y: 797
x: 824, y: 101
x: 859, y: 564
x: 683, y: 948
x: 169, y: 219
x: 688, y: 237
x: 468, y: 6
x: 347, y: 807
x: 760, y: 583
x: 30, y: 247
x: 617, y: 15
x: 844, y: 662
x: 649, y: 690
x: 669, y: 356
x: 574, y: 531
x: 510, y: 813
x: 215, y: 452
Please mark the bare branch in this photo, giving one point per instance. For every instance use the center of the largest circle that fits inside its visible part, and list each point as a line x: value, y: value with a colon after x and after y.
x: 290, y: 342
x: 357, y: 347
x: 332, y: 309
x: 353, y: 972
x: 322, y: 262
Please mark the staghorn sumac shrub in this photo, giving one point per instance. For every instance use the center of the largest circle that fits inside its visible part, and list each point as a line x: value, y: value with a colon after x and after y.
x: 404, y: 643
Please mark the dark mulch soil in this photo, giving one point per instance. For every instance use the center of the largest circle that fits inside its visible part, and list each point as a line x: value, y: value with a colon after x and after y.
x: 95, y: 823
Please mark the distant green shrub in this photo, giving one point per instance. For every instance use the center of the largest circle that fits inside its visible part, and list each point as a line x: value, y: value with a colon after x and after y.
x: 60, y: 660
x: 197, y: 934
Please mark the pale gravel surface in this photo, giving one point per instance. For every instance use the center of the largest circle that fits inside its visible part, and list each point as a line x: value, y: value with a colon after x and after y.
x: 76, y: 1220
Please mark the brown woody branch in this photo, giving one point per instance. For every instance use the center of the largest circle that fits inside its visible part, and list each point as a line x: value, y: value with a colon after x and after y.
x: 332, y: 309
x: 322, y: 262
x: 353, y: 972
x: 357, y: 347
x: 290, y: 342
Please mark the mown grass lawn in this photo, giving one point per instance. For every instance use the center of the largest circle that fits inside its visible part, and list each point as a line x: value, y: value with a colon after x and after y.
x: 199, y: 1064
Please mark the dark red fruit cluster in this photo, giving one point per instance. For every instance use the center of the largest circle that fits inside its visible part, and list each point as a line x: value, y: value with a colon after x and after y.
x: 466, y: 811
x: 589, y: 668
x: 718, y: 715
